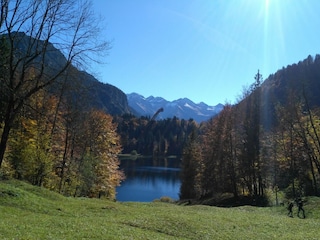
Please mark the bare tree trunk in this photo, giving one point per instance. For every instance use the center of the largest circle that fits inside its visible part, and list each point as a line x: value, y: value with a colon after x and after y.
x: 6, y: 130
x: 314, y: 179
x: 64, y: 160
x: 4, y: 140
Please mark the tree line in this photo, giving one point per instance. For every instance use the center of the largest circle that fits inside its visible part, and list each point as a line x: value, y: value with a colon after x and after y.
x: 251, y: 148
x: 145, y: 136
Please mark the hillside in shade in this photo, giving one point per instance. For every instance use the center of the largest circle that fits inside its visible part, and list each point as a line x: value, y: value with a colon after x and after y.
x: 80, y: 84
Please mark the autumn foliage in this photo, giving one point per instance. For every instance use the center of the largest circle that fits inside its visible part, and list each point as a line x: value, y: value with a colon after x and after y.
x: 72, y: 151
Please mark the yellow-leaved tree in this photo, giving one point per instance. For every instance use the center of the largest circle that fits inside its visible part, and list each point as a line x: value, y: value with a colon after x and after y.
x: 30, y: 156
x: 102, y: 146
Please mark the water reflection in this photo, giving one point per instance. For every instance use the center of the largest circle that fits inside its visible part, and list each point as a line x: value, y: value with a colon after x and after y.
x: 149, y: 178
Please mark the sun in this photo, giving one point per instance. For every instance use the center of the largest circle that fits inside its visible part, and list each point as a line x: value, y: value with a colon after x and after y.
x: 266, y: 4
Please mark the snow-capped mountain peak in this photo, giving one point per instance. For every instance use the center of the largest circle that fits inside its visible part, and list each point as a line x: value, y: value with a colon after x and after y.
x: 182, y: 108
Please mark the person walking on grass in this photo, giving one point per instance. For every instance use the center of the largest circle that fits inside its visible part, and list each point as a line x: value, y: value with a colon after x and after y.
x: 300, y: 207
x: 290, y: 206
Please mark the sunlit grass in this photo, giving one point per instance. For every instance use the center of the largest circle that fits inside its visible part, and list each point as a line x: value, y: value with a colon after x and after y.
x: 29, y: 212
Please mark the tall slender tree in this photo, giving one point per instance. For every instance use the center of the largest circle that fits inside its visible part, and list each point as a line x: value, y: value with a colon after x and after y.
x: 191, y: 168
x: 250, y: 153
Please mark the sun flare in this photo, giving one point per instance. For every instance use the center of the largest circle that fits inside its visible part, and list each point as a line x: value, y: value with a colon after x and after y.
x: 266, y: 4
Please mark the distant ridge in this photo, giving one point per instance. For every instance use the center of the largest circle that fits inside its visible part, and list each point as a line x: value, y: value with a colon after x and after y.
x: 182, y: 108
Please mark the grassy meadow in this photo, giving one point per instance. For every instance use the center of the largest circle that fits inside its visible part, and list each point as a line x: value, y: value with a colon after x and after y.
x: 29, y: 212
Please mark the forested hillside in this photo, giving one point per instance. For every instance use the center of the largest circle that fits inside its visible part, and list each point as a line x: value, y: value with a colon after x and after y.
x: 295, y: 83
x: 269, y: 140
x: 149, y: 137
x: 94, y: 94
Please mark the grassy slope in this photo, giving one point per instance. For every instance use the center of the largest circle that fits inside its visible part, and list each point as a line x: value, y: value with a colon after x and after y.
x: 29, y: 212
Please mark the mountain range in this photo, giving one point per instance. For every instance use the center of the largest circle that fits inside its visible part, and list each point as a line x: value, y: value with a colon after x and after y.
x: 110, y: 99
x: 182, y: 108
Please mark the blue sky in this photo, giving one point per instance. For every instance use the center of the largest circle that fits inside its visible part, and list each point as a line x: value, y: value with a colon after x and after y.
x: 205, y: 50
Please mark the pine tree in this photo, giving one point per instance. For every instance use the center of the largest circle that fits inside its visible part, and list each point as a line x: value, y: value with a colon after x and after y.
x: 190, y: 169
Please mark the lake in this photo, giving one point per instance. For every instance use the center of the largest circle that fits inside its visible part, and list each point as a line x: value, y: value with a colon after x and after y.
x: 148, y: 179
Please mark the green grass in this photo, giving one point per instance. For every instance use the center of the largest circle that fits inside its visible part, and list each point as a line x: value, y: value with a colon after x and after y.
x: 29, y: 212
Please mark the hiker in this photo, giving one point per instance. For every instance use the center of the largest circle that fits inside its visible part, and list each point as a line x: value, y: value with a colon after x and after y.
x: 290, y: 206
x: 300, y: 208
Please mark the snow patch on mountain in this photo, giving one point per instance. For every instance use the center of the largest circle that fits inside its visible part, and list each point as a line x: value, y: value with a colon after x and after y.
x: 182, y: 108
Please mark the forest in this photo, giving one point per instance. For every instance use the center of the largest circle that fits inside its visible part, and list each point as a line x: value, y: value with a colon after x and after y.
x: 154, y: 138
x: 52, y: 137
x: 268, y: 141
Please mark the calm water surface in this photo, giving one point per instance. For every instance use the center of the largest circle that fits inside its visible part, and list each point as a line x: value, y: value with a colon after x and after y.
x: 149, y: 178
